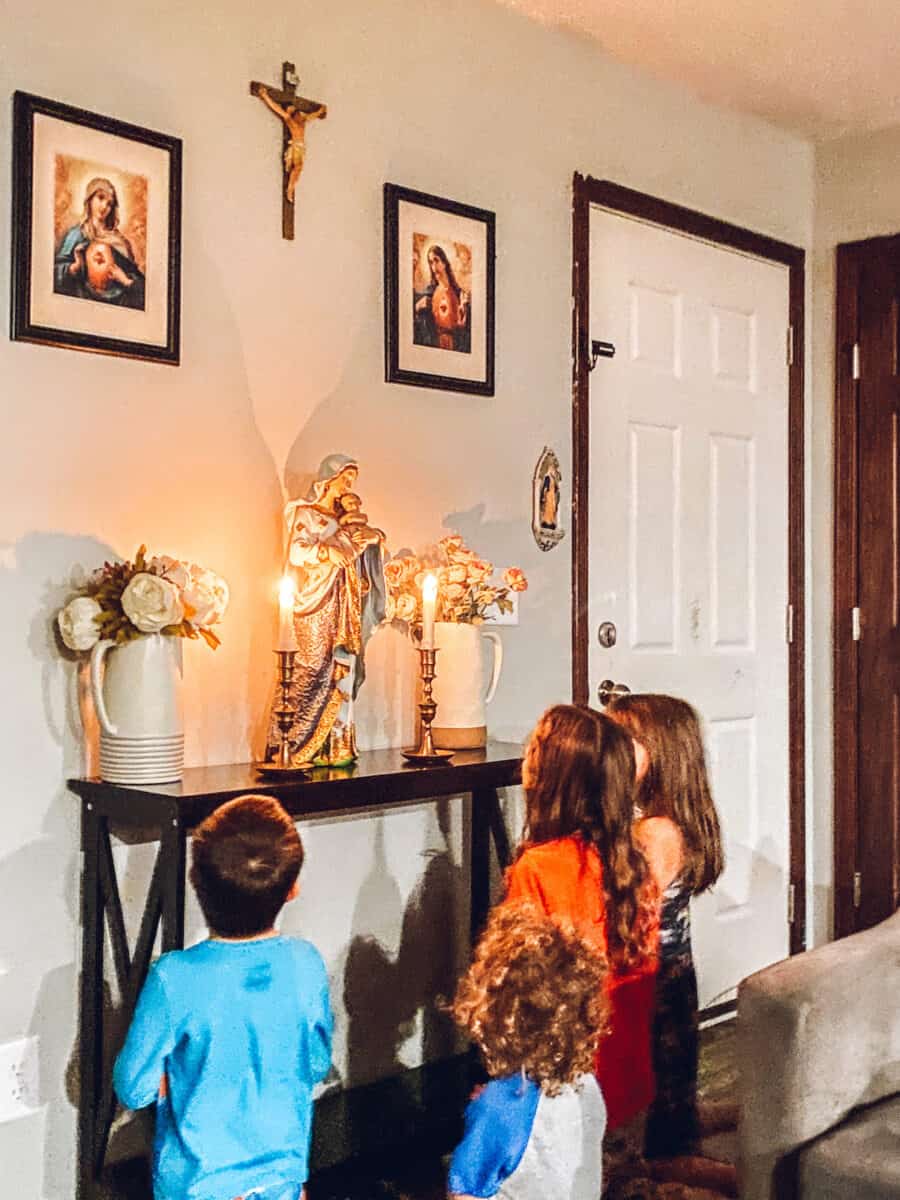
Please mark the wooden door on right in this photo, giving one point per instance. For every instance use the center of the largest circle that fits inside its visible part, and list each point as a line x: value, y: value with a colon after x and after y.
x: 867, y: 585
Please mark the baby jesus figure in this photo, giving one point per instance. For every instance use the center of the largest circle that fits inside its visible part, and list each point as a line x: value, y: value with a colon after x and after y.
x: 354, y: 521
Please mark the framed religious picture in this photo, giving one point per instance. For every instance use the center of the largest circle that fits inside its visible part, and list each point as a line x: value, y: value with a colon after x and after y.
x: 438, y: 292
x: 545, y: 500
x: 96, y: 247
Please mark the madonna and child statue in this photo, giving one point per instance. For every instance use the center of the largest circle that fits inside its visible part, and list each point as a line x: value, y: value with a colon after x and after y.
x: 336, y: 561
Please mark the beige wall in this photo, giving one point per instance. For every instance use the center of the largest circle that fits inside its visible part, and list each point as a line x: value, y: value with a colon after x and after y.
x: 857, y: 196
x: 282, y: 363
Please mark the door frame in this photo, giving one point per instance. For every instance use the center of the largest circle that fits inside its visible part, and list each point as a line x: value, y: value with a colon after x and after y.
x: 623, y: 200
x: 845, y: 576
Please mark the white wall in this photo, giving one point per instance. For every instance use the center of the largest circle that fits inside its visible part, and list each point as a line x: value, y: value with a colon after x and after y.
x: 282, y: 363
x: 857, y: 197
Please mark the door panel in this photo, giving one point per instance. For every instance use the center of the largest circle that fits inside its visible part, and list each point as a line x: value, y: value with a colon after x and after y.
x: 688, y: 540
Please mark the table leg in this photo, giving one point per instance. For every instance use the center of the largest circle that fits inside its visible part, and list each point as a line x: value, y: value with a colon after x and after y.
x: 100, y: 900
x: 90, y: 1043
x: 172, y: 852
x: 482, y: 801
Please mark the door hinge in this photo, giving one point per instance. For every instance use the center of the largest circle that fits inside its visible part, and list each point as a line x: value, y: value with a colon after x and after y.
x: 856, y: 622
x: 792, y: 897
x: 854, y: 362
x: 790, y: 345
x: 857, y: 888
x: 789, y: 624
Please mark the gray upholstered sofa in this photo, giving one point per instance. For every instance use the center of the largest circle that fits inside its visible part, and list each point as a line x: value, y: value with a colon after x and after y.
x: 819, y: 1062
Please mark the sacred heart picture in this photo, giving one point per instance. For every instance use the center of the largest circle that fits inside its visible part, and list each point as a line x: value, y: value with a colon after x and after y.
x: 96, y: 232
x: 439, y: 292
x: 442, y: 294
x: 100, y: 232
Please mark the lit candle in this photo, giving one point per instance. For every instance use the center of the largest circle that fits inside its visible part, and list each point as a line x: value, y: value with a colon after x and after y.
x: 429, y: 596
x: 286, y: 637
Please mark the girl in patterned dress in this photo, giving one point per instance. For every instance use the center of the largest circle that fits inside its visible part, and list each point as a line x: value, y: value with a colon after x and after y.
x: 681, y: 839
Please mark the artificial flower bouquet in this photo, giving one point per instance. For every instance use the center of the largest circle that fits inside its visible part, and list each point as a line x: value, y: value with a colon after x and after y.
x: 122, y: 601
x: 466, y: 587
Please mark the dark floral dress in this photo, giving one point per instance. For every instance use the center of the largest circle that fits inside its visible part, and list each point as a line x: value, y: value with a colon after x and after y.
x: 672, y: 1123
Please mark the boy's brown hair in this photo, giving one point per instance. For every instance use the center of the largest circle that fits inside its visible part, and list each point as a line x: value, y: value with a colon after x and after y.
x: 245, y: 858
x: 533, y: 998
x: 676, y: 784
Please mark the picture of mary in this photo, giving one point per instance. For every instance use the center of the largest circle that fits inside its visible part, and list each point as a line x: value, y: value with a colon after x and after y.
x: 549, y: 502
x: 337, y: 567
x: 442, y: 314
x: 94, y: 260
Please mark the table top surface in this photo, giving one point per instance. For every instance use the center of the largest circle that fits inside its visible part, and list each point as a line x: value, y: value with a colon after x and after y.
x: 377, y: 778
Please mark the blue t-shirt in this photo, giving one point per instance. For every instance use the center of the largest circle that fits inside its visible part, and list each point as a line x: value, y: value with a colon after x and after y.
x: 242, y: 1031
x: 521, y: 1144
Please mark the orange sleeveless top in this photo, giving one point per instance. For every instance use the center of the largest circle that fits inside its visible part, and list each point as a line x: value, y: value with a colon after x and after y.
x: 565, y: 879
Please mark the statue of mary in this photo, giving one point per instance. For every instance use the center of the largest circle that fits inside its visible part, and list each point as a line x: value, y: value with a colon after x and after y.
x: 336, y: 560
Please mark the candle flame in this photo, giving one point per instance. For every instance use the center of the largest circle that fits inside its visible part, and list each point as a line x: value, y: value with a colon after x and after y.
x: 429, y: 587
x: 286, y: 592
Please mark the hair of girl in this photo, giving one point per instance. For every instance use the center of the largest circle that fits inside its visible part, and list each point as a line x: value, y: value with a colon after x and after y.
x: 676, y: 784
x: 578, y: 778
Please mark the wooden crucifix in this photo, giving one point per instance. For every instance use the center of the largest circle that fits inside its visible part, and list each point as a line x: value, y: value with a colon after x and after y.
x: 294, y: 111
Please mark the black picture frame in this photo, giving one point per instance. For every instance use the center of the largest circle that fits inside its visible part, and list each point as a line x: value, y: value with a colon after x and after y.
x: 441, y: 336
x: 134, y: 308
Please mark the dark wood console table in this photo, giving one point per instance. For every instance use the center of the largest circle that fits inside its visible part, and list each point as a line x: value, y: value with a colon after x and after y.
x: 167, y: 813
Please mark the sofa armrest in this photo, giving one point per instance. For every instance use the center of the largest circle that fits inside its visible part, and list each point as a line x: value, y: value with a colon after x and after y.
x: 817, y: 1036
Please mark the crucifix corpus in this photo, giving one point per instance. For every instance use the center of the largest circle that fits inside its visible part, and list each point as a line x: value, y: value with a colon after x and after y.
x: 294, y: 111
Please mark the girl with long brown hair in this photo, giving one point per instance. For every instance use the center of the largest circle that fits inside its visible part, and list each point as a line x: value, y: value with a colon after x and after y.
x: 680, y: 835
x: 578, y: 861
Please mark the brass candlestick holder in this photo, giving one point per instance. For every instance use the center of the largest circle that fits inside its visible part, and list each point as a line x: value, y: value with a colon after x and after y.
x: 282, y: 766
x: 425, y: 754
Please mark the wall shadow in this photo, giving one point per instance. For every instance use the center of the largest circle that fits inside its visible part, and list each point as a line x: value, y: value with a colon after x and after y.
x: 385, y: 995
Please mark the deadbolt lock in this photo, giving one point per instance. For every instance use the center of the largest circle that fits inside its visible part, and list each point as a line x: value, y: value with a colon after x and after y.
x: 607, y: 634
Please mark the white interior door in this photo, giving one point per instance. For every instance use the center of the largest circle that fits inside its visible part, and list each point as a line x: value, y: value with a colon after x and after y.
x: 689, y: 545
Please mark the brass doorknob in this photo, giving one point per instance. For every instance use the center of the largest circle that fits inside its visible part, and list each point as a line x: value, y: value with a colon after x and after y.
x: 608, y: 690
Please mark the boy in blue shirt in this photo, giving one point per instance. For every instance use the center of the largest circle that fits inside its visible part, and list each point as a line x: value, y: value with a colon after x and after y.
x: 229, y: 1037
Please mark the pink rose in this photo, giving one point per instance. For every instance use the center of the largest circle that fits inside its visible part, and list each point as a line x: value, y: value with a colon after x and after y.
x: 452, y: 544
x: 479, y: 570
x: 405, y: 607
x: 394, y: 572
x: 514, y: 578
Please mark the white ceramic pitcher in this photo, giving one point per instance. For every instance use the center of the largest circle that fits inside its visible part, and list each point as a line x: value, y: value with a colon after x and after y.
x: 459, y: 685
x: 137, y: 694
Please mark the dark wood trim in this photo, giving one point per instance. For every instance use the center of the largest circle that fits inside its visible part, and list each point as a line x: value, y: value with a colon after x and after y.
x: 581, y: 263
x: 615, y: 197
x: 845, y: 568
x: 797, y: 598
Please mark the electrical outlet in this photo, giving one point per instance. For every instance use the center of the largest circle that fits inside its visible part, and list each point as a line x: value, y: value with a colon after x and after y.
x: 493, y: 615
x: 18, y: 1078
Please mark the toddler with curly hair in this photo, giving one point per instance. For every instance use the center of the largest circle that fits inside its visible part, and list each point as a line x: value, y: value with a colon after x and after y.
x: 533, y: 1003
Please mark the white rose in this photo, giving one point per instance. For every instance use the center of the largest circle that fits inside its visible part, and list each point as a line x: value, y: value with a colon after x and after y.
x: 215, y: 584
x: 200, y: 607
x: 207, y: 596
x: 151, y: 603
x: 78, y: 623
x: 405, y: 607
